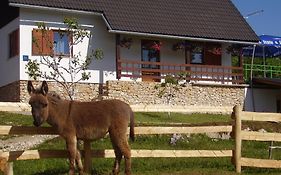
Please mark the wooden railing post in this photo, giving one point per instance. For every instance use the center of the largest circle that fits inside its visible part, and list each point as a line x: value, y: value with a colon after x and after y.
x: 238, y: 141
x: 87, y: 157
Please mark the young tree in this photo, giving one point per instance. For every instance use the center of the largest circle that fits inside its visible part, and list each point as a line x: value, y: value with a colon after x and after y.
x: 68, y: 75
x: 170, y: 86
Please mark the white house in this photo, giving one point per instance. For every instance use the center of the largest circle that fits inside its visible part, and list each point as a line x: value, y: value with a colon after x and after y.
x: 141, y: 40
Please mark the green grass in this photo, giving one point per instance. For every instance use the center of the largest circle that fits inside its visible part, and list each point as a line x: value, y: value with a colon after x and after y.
x: 164, y: 166
x: 140, y: 118
x: 178, y: 118
x: 148, y: 166
x: 15, y: 119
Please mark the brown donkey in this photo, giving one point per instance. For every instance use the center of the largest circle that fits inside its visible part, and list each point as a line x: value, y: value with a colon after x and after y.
x: 84, y: 120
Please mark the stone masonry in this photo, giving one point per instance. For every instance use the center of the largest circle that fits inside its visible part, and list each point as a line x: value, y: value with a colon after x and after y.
x: 149, y: 93
x: 140, y: 93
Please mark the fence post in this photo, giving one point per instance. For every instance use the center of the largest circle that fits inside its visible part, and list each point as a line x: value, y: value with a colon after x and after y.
x: 238, y: 141
x: 87, y: 157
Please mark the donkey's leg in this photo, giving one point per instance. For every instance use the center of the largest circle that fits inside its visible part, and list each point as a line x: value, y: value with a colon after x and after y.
x: 119, y: 139
x: 118, y: 158
x: 126, y: 151
x: 71, y: 143
x: 79, y: 162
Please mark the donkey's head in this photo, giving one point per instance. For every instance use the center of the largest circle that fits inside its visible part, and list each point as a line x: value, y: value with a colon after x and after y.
x: 39, y: 103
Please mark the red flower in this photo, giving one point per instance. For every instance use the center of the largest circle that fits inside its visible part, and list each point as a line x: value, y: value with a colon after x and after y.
x: 156, y: 46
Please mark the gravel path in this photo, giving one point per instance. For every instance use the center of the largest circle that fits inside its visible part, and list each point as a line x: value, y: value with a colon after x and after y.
x: 23, y: 142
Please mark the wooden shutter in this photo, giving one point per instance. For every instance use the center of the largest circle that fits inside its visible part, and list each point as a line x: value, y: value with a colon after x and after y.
x: 14, y: 43
x: 42, y: 42
x: 48, y: 41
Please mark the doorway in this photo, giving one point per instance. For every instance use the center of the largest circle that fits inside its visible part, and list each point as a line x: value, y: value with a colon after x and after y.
x: 150, y: 53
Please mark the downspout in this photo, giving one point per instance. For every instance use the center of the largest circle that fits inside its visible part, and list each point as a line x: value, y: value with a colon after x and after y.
x: 251, y: 79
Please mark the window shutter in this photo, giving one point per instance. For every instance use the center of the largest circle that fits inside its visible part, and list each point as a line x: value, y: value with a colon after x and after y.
x: 14, y: 43
x: 37, y: 42
x: 42, y: 42
x: 48, y: 41
x: 17, y: 42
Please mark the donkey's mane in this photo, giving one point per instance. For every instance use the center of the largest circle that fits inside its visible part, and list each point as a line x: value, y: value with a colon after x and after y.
x: 53, y: 97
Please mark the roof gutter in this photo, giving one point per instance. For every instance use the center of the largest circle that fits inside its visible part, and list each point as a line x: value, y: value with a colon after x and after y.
x: 129, y: 32
x: 181, y: 37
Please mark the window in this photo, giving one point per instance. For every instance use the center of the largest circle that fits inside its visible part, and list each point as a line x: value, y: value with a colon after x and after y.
x: 197, y: 54
x: 61, y: 43
x: 50, y: 42
x: 150, y: 53
x: 14, y: 43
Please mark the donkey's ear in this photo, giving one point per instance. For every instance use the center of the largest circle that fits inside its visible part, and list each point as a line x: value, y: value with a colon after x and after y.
x: 30, y: 87
x: 44, y: 88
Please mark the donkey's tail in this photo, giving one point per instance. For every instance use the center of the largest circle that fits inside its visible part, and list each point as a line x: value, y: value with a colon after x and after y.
x: 132, y: 126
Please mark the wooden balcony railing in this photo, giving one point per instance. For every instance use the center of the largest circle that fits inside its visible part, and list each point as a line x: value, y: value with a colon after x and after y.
x: 193, y: 72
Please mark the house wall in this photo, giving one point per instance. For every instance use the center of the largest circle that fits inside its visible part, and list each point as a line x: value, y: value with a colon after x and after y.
x: 9, y: 67
x: 101, y: 70
x: 264, y: 100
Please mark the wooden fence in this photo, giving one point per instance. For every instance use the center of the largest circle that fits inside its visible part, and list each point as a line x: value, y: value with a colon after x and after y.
x: 240, y: 135
x: 88, y: 153
x: 6, y: 158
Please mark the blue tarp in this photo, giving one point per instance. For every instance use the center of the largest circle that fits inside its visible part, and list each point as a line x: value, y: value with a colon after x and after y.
x: 269, y: 46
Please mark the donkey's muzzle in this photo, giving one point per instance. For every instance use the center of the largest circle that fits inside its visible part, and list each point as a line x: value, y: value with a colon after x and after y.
x: 37, y: 122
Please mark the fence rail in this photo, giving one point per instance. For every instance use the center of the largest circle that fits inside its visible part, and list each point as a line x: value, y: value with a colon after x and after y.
x: 240, y: 135
x: 259, y: 70
x: 88, y: 153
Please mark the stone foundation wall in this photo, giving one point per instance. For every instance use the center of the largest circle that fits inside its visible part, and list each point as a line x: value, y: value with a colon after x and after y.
x: 10, y: 92
x: 141, y: 94
x: 151, y: 93
x: 17, y: 91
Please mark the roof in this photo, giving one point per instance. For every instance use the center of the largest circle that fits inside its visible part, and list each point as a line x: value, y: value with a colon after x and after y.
x: 209, y: 19
x: 267, y: 82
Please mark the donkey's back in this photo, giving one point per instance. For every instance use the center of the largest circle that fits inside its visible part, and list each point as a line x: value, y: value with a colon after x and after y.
x: 92, y: 120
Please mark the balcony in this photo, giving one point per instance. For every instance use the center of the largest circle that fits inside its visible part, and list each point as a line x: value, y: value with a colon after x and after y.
x: 155, y: 71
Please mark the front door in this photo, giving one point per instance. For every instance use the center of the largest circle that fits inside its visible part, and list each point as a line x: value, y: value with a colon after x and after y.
x: 150, y: 54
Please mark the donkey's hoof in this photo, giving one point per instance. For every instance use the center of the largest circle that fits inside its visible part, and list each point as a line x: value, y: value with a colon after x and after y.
x: 71, y: 172
x: 115, y: 172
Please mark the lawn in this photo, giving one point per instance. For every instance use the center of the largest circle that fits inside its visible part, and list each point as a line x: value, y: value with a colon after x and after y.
x: 148, y: 166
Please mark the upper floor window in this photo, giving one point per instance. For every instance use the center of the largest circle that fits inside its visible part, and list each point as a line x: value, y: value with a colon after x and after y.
x: 50, y: 42
x: 14, y: 43
x: 61, y: 43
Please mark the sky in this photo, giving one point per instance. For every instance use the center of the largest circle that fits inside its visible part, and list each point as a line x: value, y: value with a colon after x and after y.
x: 266, y: 15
